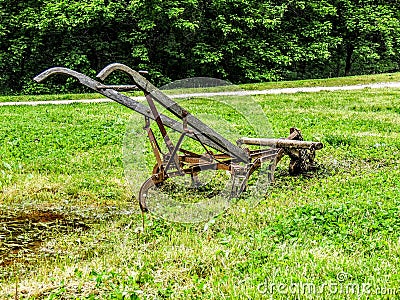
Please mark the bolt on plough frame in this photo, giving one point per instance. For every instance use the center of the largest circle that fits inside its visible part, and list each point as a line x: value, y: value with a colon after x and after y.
x: 241, y: 162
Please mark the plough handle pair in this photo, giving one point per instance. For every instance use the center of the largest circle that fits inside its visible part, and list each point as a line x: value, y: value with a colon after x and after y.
x: 206, y: 134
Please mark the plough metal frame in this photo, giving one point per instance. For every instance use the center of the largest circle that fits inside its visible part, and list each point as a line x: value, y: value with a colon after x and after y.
x: 240, y: 162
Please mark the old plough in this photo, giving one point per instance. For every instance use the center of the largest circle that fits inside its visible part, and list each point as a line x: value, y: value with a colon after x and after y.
x: 219, y: 153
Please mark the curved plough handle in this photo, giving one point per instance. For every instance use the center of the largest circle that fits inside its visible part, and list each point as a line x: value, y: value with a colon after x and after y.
x: 137, y: 78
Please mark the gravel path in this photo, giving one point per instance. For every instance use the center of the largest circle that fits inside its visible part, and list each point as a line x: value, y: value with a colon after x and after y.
x: 238, y: 93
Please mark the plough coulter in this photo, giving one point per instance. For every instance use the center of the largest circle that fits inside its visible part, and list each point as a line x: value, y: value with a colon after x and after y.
x: 219, y: 153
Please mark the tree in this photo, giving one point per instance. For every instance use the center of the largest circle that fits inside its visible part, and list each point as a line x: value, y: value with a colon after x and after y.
x: 370, y: 34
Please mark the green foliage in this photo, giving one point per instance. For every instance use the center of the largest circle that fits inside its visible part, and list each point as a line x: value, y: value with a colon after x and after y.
x: 369, y: 32
x: 242, y: 41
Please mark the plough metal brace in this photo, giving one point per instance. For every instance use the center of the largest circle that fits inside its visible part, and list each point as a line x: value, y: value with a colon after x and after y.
x: 239, y: 161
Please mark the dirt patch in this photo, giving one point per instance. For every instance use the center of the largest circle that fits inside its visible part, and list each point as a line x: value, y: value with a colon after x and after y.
x: 34, y: 216
x: 22, y: 233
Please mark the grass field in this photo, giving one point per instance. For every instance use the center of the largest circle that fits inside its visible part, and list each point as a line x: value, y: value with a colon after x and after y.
x: 70, y: 230
x: 337, y: 81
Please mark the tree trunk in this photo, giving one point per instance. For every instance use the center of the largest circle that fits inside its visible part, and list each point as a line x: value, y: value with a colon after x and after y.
x: 349, y: 55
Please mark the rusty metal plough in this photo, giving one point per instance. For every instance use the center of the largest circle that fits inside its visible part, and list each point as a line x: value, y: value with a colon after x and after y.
x: 238, y: 160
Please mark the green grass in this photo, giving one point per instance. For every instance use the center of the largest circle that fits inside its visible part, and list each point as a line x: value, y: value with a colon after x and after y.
x: 337, y: 81
x: 25, y: 98
x: 337, y: 229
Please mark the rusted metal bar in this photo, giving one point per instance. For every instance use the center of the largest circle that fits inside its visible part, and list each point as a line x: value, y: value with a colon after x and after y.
x: 159, y: 122
x: 153, y: 142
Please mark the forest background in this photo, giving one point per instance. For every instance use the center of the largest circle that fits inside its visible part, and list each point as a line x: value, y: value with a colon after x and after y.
x: 237, y: 40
